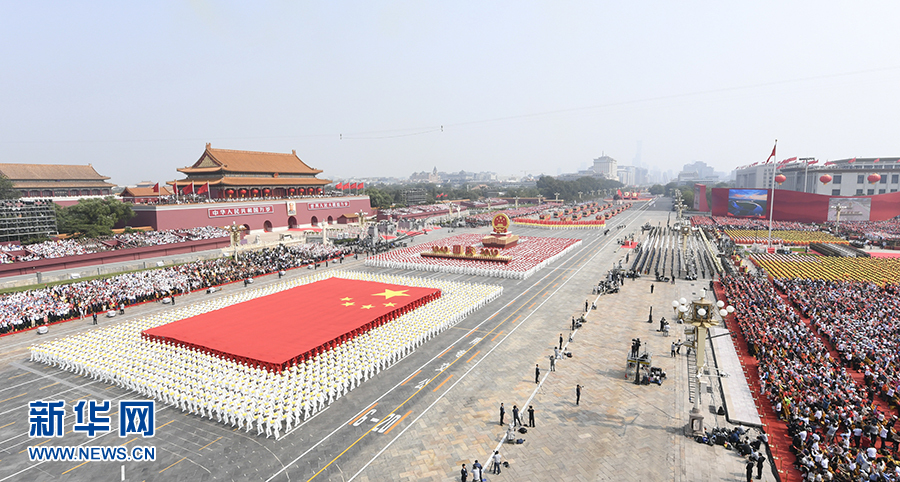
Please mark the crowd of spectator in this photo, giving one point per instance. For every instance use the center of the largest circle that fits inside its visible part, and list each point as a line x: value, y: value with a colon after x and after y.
x: 14, y: 252
x: 874, y: 231
x: 61, y: 302
x: 861, y: 320
x: 416, y: 211
x: 833, y: 422
x: 512, y: 213
x: 723, y: 222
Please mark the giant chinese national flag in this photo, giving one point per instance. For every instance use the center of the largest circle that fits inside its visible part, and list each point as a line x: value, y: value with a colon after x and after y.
x: 283, y: 328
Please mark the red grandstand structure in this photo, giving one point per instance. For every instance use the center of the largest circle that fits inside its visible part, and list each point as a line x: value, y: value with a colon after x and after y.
x: 803, y: 207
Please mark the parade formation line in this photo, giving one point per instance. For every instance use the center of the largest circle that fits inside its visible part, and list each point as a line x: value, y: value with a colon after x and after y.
x: 528, y: 256
x: 243, y: 395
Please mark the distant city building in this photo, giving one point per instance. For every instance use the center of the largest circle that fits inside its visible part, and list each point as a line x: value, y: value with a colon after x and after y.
x: 56, y: 180
x: 632, y: 175
x: 697, y: 172
x: 429, y: 177
x: 849, y: 177
x: 606, y: 167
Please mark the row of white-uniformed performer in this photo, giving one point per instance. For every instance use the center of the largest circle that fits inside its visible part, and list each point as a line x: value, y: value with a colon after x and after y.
x: 560, y: 226
x: 244, y: 396
x: 512, y: 270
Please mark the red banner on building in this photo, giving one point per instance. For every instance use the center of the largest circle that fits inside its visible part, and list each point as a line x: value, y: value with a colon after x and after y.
x: 328, y: 205
x: 240, y: 211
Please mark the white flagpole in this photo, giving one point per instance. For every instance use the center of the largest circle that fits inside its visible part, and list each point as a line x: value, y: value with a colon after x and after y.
x: 772, y: 196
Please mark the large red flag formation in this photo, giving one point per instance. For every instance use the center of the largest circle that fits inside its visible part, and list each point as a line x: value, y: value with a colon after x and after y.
x: 297, y: 323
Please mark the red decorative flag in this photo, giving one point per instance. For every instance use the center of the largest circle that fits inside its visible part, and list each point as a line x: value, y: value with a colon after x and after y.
x: 790, y: 159
x: 829, y: 163
x: 352, y: 185
x: 338, y: 186
x: 876, y: 160
x: 204, y: 188
x: 851, y: 161
x: 810, y: 163
x: 188, y: 189
x: 156, y: 188
x: 361, y: 185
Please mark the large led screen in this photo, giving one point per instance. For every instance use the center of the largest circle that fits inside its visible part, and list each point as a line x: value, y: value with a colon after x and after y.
x: 851, y: 209
x: 747, y: 203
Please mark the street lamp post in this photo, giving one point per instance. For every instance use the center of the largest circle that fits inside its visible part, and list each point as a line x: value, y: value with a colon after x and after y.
x: 700, y: 314
x: 557, y: 196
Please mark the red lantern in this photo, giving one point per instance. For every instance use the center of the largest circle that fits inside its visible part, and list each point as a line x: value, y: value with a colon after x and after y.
x: 825, y: 178
x: 780, y: 179
x: 873, y: 178
x: 254, y: 192
x: 291, y: 191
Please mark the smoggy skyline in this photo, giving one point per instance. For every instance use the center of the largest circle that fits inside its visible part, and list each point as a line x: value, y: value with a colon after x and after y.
x: 386, y: 89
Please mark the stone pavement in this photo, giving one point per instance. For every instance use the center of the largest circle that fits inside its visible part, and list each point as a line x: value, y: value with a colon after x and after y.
x: 620, y: 431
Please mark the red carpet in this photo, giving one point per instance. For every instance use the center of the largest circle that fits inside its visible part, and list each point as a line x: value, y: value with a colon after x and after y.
x: 884, y: 254
x: 630, y: 245
x: 281, y: 329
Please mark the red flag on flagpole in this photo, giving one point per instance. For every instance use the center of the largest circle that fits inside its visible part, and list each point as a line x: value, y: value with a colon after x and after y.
x: 337, y: 186
x: 156, y: 188
x: 352, y: 185
x: 851, y: 161
x: 772, y: 155
x: 204, y: 188
x: 829, y: 163
x: 876, y: 160
x: 810, y: 163
x: 188, y: 189
x: 362, y: 185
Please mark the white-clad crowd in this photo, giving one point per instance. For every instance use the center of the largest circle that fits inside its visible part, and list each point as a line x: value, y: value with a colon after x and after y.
x: 75, y: 247
x: 246, y: 396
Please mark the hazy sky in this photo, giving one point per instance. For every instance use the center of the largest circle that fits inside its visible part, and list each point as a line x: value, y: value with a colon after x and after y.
x: 138, y: 88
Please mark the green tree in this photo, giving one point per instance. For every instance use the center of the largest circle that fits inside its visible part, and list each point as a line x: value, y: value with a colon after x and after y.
x: 687, y: 194
x: 7, y: 191
x: 568, y: 190
x: 657, y: 189
x: 92, y: 218
x: 379, y: 198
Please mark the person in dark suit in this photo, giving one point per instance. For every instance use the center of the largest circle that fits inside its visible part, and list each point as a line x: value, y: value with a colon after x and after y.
x: 502, y: 413
x: 531, y: 416
x: 516, y: 421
